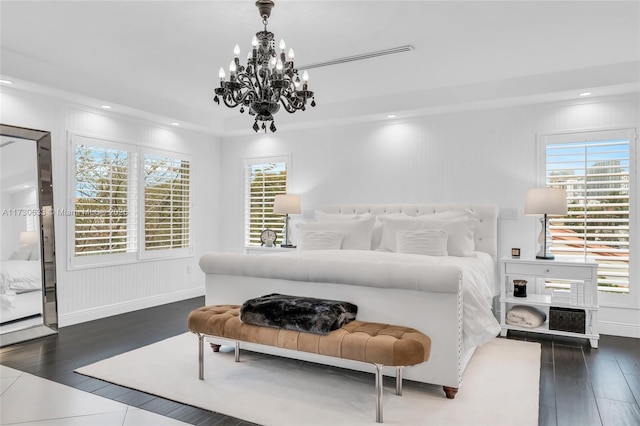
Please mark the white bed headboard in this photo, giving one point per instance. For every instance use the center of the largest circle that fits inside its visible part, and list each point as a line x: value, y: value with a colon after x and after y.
x: 486, y: 235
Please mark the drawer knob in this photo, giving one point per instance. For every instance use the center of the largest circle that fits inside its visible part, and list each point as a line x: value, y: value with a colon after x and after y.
x: 547, y: 270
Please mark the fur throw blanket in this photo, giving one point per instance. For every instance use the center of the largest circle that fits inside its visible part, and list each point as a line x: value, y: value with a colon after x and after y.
x: 304, y: 314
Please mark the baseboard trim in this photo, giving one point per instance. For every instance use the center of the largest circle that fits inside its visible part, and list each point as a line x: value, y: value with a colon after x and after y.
x: 619, y: 329
x: 129, y: 306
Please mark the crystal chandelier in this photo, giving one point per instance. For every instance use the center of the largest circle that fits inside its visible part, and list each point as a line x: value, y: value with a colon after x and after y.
x: 268, y: 80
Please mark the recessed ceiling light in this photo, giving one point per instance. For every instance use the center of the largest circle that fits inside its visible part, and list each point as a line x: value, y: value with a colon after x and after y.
x: 3, y: 81
x: 105, y: 106
x: 391, y: 116
x: 585, y: 93
x: 175, y: 124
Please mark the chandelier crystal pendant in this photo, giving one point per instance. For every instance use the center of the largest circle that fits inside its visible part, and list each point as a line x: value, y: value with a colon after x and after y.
x: 268, y: 81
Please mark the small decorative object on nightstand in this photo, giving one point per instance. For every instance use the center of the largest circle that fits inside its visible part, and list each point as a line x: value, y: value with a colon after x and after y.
x: 519, y: 288
x: 268, y: 237
x: 515, y: 252
x: 580, y: 314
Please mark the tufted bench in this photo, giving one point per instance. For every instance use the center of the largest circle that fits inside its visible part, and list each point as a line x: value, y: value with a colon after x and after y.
x: 378, y: 344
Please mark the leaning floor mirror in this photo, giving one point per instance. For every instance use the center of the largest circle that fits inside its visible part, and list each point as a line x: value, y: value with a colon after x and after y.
x: 27, y: 250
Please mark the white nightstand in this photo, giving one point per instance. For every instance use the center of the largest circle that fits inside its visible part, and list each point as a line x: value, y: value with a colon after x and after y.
x: 536, y: 271
x: 267, y: 250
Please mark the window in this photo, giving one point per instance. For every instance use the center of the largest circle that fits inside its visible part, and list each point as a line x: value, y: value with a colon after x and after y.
x: 111, y: 211
x: 265, y: 178
x: 166, y: 202
x: 598, y: 172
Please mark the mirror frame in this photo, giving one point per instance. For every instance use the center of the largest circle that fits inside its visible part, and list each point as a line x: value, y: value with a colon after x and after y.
x: 47, y: 236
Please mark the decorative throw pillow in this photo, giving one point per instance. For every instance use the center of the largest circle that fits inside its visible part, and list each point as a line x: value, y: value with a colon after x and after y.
x: 320, y: 240
x: 357, y: 232
x: 431, y: 242
x: 460, y: 233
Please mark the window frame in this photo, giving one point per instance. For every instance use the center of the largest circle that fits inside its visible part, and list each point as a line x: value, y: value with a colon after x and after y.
x: 247, y: 164
x: 630, y: 132
x: 135, y: 204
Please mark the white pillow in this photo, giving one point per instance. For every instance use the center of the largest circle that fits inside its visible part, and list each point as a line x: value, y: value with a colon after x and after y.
x: 431, y: 242
x: 23, y: 253
x: 357, y: 232
x: 460, y: 232
x: 320, y: 240
x: 34, y: 251
x: 376, y: 236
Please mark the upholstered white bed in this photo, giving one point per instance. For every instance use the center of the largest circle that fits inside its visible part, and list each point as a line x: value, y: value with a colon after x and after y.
x: 449, y: 298
x: 20, y: 289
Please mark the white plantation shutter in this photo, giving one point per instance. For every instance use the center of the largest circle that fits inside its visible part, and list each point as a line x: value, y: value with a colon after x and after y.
x: 101, y: 208
x: 166, y: 202
x: 265, y: 178
x: 597, y: 172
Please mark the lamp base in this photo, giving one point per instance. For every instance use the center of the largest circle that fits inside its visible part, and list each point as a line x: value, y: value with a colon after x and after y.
x: 548, y: 256
x: 545, y: 240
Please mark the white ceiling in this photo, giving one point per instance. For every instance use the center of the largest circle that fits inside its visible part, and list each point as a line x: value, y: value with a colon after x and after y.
x: 163, y: 56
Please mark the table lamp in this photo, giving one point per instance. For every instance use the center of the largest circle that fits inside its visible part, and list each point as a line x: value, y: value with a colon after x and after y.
x: 545, y: 201
x: 29, y: 237
x: 286, y: 204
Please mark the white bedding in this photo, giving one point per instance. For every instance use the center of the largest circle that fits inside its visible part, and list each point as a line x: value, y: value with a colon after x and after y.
x: 20, y: 275
x: 380, y: 269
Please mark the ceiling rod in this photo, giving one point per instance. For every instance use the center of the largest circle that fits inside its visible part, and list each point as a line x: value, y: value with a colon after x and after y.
x: 400, y: 49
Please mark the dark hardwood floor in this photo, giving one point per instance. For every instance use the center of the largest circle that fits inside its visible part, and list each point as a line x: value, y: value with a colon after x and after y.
x: 578, y: 385
x: 583, y: 386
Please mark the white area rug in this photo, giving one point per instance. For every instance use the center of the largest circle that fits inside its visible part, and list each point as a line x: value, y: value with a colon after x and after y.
x: 500, y: 386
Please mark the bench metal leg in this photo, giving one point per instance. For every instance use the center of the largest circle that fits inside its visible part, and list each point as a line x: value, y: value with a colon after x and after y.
x: 237, y: 351
x: 379, y: 389
x: 398, y: 380
x: 201, y: 356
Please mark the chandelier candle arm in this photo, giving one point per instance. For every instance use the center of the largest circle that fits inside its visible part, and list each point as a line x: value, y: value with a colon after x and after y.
x: 269, y: 81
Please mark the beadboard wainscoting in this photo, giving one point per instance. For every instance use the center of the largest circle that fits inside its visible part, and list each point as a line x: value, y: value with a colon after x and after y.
x: 128, y: 287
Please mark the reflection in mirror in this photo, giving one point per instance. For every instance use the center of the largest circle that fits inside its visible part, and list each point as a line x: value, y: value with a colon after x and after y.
x: 28, y: 307
x: 20, y: 277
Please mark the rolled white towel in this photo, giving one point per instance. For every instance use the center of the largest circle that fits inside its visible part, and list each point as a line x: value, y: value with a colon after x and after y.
x: 526, y: 316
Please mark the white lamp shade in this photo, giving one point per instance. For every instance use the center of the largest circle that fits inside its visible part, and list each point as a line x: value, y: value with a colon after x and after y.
x: 286, y: 204
x: 550, y: 201
x: 29, y: 237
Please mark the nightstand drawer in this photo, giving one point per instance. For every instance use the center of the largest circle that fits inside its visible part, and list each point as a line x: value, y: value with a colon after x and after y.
x: 579, y: 272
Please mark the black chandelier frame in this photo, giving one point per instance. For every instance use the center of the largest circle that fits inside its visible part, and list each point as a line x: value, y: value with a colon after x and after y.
x: 268, y: 81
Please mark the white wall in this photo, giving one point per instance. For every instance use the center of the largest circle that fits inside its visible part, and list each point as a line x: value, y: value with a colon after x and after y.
x: 86, y: 294
x: 485, y: 155
x: 12, y: 224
